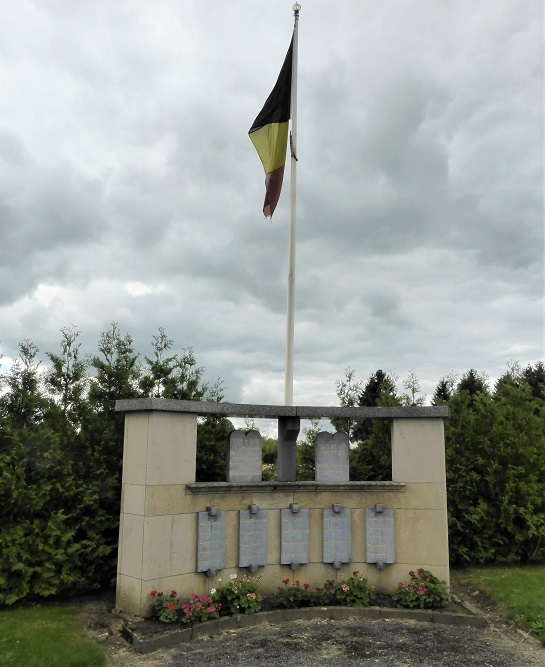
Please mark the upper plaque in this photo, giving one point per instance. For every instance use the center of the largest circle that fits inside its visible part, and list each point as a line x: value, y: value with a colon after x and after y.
x: 379, y: 535
x: 244, y: 457
x: 252, y: 538
x: 331, y: 452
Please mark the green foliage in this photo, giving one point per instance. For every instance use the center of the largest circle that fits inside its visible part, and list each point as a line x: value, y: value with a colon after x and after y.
x: 354, y: 591
x: 270, y: 456
x: 422, y: 591
x: 349, y: 393
x: 495, y: 447
x: 199, y: 608
x: 292, y: 595
x: 305, y: 452
x: 166, y: 607
x: 239, y: 596
x: 212, y: 435
x: 61, y: 449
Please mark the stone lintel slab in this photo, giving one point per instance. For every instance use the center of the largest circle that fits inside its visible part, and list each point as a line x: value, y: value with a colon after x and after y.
x: 272, y: 487
x: 205, y: 408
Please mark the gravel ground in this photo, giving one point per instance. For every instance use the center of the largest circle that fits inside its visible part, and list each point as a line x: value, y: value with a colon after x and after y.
x: 321, y: 643
x: 382, y: 643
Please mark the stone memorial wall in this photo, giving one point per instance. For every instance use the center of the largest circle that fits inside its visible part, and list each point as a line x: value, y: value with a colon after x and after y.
x: 178, y: 534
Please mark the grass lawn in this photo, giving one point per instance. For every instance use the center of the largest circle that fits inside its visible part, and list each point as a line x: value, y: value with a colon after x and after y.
x: 46, y: 635
x: 520, y: 590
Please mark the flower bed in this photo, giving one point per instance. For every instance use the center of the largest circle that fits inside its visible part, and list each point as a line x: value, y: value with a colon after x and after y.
x: 422, y: 591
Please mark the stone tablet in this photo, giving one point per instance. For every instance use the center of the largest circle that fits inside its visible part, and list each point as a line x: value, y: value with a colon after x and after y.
x: 294, y: 536
x: 210, y: 542
x: 331, y: 457
x: 379, y: 535
x: 337, y: 535
x: 252, y: 538
x: 244, y: 457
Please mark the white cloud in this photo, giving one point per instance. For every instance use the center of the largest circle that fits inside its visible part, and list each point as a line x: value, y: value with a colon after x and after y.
x: 129, y: 190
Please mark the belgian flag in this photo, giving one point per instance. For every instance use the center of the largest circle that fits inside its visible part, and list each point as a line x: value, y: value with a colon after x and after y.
x: 269, y: 134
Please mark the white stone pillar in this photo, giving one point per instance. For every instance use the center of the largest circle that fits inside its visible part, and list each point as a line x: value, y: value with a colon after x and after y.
x: 156, y: 537
x: 421, y: 526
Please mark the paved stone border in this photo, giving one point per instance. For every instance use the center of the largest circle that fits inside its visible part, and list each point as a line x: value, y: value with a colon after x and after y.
x: 171, y: 637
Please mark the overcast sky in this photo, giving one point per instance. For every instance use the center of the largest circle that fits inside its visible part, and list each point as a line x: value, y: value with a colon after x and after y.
x: 131, y: 193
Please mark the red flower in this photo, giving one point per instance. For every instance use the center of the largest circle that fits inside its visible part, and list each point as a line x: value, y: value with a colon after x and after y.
x: 171, y: 607
x: 305, y: 586
x: 297, y: 583
x: 285, y: 581
x: 412, y: 574
x: 173, y: 593
x: 153, y: 593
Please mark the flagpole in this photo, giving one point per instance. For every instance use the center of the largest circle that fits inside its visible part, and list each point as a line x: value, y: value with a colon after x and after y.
x: 290, y: 324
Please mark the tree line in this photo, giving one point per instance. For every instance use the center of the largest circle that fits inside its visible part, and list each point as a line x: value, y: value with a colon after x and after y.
x: 495, y: 456
x: 61, y: 451
x: 61, y: 447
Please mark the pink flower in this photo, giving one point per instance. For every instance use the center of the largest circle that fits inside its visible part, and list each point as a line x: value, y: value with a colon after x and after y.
x: 251, y: 595
x: 192, y: 596
x: 210, y: 610
x: 345, y: 587
x: 422, y: 589
x: 189, y: 614
x: 411, y: 588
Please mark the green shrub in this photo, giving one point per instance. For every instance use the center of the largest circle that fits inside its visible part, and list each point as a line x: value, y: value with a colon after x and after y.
x: 424, y: 591
x: 354, y: 591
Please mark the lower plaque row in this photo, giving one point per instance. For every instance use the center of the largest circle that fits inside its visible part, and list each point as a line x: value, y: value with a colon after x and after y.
x: 294, y: 537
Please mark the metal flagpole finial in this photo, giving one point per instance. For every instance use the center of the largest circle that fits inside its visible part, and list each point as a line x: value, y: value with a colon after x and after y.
x: 296, y: 9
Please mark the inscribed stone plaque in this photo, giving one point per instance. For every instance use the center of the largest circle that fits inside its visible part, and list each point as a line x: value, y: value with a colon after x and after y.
x: 252, y: 539
x: 332, y: 457
x: 210, y: 542
x: 294, y: 536
x: 244, y: 457
x: 379, y: 535
x: 337, y: 535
